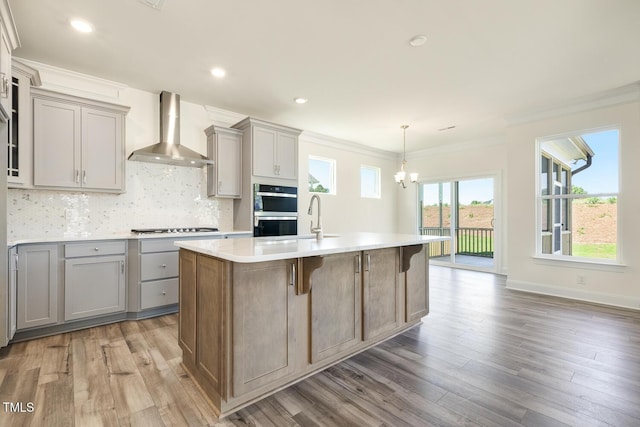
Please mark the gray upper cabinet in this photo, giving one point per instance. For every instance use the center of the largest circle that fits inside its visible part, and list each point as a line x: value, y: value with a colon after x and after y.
x: 77, y: 143
x: 224, y: 146
x: 274, y: 148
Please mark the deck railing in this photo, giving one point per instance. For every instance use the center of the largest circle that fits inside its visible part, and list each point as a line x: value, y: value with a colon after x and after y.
x: 472, y: 241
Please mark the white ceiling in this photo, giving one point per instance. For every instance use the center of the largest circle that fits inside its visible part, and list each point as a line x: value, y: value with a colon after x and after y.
x: 483, y: 61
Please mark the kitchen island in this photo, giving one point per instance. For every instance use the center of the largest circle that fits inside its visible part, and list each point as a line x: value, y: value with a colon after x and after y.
x: 259, y: 314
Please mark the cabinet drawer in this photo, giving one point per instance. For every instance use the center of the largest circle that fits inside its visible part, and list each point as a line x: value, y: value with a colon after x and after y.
x: 158, y: 293
x: 159, y: 266
x: 158, y: 245
x: 75, y: 250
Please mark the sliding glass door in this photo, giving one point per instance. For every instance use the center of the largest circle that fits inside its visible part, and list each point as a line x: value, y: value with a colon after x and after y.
x: 463, y: 210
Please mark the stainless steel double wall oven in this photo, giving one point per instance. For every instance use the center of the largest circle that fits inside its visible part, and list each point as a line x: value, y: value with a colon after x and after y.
x: 275, y: 210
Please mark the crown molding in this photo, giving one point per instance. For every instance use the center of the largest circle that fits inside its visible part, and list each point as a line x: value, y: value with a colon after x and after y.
x: 9, y: 24
x: 608, y: 98
x: 74, y: 83
x: 18, y: 66
x: 341, y: 144
x: 224, y: 118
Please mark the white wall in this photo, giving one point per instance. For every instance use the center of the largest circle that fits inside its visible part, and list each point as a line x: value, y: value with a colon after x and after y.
x: 471, y: 159
x: 346, y: 211
x: 604, y: 284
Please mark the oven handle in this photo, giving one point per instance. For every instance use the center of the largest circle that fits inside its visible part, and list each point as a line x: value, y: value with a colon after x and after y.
x: 275, y: 218
x: 289, y: 195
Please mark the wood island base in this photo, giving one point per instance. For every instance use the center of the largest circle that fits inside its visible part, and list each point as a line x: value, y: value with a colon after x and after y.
x: 248, y: 330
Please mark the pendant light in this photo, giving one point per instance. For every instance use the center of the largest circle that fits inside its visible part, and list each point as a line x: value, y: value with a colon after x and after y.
x: 400, y: 176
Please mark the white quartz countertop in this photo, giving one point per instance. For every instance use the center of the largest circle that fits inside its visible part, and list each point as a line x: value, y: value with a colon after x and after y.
x: 124, y: 236
x: 258, y: 249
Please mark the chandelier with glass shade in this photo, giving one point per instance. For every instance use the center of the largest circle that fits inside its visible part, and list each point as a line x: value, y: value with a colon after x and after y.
x: 402, y: 174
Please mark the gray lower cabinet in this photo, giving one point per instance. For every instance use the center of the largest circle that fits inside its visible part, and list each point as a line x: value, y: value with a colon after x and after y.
x: 155, y: 268
x: 12, y: 298
x: 37, y: 296
x: 94, y: 285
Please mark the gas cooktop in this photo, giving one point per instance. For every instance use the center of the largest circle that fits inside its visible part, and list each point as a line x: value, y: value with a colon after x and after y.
x: 174, y: 230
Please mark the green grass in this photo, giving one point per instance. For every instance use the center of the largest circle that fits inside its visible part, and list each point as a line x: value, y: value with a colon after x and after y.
x: 595, y: 250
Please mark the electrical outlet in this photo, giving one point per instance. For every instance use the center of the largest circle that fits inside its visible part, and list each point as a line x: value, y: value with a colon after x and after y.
x: 581, y: 280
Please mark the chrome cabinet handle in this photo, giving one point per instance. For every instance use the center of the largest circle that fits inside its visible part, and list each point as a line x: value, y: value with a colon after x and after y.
x: 293, y: 275
x: 163, y: 266
x: 164, y: 292
x: 358, y: 263
x: 96, y: 249
x: 84, y: 177
x: 77, y: 176
x: 5, y: 85
x: 122, y: 267
x: 368, y: 262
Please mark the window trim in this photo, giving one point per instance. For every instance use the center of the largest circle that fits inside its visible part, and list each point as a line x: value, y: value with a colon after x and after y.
x: 619, y: 260
x: 333, y: 166
x: 378, y: 171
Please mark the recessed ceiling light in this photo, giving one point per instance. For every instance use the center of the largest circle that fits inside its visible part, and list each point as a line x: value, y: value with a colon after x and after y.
x: 81, y: 26
x: 300, y: 100
x: 218, y: 72
x: 418, y: 41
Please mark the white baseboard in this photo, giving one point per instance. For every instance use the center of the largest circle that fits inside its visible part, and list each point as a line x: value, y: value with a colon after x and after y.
x: 576, y: 294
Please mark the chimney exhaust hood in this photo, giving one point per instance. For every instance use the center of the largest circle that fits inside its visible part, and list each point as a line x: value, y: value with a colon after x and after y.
x: 168, y: 150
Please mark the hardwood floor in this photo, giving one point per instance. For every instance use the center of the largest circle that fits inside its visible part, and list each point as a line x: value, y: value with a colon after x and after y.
x: 484, y: 356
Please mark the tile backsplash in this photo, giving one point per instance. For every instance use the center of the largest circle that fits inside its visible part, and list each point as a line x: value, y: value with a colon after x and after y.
x: 156, y: 196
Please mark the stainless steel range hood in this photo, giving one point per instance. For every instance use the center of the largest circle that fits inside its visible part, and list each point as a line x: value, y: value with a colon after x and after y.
x: 168, y: 150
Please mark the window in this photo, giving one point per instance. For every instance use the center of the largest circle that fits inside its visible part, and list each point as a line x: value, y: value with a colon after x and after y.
x: 370, y: 182
x: 322, y: 175
x: 578, y: 195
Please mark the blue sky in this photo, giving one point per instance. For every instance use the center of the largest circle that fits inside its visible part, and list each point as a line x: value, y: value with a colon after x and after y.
x: 602, y: 175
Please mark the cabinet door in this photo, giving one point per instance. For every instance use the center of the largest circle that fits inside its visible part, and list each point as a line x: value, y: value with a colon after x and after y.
x: 211, y: 321
x: 228, y: 163
x: 262, y: 323
x: 37, y: 285
x: 12, y: 300
x: 336, y: 305
x: 5, y: 71
x: 287, y: 156
x: 417, y: 286
x: 102, y: 149
x: 264, y: 145
x: 380, y: 292
x: 94, y: 286
x: 187, y: 301
x: 56, y: 144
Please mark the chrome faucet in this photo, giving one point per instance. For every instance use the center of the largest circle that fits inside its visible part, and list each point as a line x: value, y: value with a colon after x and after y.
x: 317, y: 230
